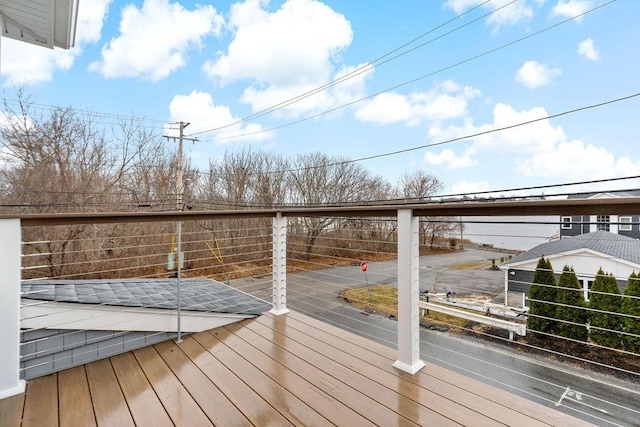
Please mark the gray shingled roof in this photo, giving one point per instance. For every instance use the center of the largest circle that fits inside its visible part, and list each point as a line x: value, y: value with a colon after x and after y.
x: 619, y: 193
x: 195, y: 294
x: 604, y: 242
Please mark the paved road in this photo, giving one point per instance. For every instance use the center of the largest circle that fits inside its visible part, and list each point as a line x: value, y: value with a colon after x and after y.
x: 598, y: 399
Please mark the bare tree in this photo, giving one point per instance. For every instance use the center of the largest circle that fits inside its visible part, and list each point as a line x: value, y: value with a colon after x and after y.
x: 419, y: 186
x: 316, y: 180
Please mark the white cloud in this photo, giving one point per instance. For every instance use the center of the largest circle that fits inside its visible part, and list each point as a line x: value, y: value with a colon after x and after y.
x: 587, y: 50
x: 284, y: 53
x: 571, y: 8
x: 531, y: 138
x: 154, y: 40
x: 533, y: 74
x: 91, y: 15
x: 26, y: 64
x: 575, y: 160
x: 539, y: 149
x: 448, y: 157
x: 447, y: 100
x: 505, y: 14
x: 200, y: 110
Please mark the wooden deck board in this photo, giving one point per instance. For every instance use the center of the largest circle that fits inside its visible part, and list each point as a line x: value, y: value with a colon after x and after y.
x: 460, y: 405
x: 295, y: 385
x: 109, y: 404
x: 176, y: 399
x: 76, y: 408
x: 144, y: 404
x: 208, y: 396
x: 485, y: 393
x: 269, y: 371
x: 319, y: 366
x: 256, y: 409
x: 41, y: 402
x: 11, y: 409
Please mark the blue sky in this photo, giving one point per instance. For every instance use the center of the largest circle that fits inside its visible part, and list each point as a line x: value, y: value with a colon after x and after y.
x: 213, y: 63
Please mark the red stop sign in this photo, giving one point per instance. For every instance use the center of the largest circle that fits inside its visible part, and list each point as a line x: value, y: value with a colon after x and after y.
x: 363, y: 266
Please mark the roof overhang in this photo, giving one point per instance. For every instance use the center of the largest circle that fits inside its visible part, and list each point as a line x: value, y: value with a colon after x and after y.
x: 96, y: 317
x: 46, y: 23
x: 531, y: 264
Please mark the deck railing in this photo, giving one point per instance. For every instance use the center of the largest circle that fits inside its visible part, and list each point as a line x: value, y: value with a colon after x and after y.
x: 252, y: 252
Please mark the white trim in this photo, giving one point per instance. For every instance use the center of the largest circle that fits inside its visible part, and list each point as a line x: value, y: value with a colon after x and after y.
x: 20, y: 388
x: 566, y: 225
x: 10, y: 262
x: 69, y: 315
x: 408, y: 293
x: 621, y: 226
x: 534, y: 261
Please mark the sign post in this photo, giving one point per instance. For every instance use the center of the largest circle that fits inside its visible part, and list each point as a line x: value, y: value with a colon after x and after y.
x: 363, y: 268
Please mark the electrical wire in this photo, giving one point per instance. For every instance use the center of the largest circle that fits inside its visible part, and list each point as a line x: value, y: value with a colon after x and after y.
x: 422, y: 77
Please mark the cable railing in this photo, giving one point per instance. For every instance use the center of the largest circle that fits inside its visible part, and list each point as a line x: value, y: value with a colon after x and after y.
x: 347, y: 274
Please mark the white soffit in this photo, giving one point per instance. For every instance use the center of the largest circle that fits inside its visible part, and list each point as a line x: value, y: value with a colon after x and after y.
x: 46, y: 23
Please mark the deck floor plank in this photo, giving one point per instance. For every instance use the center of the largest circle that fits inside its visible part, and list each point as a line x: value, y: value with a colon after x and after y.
x: 144, y: 404
x: 352, y: 392
x: 485, y: 393
x: 76, y: 408
x: 208, y: 396
x: 176, y: 399
x: 253, y: 406
x: 286, y: 403
x: 299, y: 357
x: 41, y: 402
x: 109, y: 404
x: 455, y: 402
x: 298, y: 390
x: 11, y: 409
x: 269, y: 371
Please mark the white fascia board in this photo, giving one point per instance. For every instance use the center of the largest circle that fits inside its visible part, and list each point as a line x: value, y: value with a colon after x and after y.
x: 59, y: 315
x: 65, y: 22
x: 45, y: 23
x: 531, y: 264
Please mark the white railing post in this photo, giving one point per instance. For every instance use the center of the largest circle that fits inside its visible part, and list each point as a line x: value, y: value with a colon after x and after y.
x: 279, y: 265
x: 10, y: 250
x: 408, y: 294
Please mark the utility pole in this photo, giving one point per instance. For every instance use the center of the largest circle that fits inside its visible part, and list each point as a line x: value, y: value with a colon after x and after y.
x: 179, y: 180
x: 180, y: 207
x: 179, y: 183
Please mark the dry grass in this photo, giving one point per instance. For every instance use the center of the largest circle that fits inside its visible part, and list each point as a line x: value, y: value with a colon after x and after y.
x: 384, y: 299
x: 472, y: 265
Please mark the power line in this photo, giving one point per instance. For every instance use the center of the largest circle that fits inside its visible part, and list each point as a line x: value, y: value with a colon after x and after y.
x: 470, y: 59
x: 360, y: 70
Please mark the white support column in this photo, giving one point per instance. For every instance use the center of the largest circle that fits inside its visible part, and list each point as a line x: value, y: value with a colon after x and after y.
x: 506, y: 287
x: 10, y: 250
x: 408, y: 294
x: 279, y: 265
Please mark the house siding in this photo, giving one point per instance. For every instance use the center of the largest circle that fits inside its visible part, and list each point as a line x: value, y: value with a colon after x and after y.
x: 46, y: 351
x: 521, y: 281
x: 580, y: 224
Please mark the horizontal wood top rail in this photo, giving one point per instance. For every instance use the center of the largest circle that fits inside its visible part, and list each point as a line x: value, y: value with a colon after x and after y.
x: 613, y: 206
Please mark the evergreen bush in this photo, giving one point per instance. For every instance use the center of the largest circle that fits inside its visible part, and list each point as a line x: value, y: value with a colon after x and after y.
x: 631, y: 307
x: 604, y: 301
x: 543, y: 289
x: 570, y: 312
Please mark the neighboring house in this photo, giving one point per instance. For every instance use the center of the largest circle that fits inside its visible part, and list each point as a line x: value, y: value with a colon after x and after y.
x: 626, y: 225
x: 66, y: 323
x: 586, y: 254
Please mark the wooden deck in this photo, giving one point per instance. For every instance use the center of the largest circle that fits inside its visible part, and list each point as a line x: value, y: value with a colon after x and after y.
x: 279, y: 371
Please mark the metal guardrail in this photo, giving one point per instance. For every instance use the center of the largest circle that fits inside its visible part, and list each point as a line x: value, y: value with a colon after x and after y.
x: 512, y: 327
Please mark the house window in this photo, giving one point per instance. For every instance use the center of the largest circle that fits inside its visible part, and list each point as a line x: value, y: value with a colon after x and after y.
x: 625, y: 223
x: 603, y: 222
x: 566, y: 223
